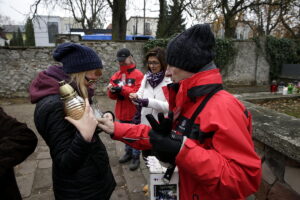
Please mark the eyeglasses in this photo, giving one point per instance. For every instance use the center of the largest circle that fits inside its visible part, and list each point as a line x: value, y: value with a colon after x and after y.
x: 90, y: 81
x: 153, y: 63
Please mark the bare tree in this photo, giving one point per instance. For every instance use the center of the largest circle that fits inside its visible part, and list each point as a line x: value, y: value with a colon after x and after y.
x: 119, y: 22
x: 86, y: 12
x: 232, y: 11
x: 278, y: 17
x: 5, y: 20
x: 290, y: 18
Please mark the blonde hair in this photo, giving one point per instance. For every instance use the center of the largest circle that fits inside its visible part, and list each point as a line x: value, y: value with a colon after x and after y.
x: 79, y: 79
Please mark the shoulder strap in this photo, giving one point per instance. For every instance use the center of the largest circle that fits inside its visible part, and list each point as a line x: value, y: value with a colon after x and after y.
x: 204, y: 102
x: 201, y: 135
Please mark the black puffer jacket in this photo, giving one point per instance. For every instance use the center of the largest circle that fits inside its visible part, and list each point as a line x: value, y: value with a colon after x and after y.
x: 17, y: 142
x: 81, y: 169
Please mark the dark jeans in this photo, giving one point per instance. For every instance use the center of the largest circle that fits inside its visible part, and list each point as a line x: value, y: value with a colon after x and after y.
x: 128, y: 149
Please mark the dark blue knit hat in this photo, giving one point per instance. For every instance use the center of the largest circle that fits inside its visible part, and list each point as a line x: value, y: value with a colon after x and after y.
x: 77, y: 58
x: 192, y: 49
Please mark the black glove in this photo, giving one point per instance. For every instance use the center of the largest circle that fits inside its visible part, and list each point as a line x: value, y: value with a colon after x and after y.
x: 165, y: 147
x: 116, y: 90
x: 165, y: 124
x: 165, y: 143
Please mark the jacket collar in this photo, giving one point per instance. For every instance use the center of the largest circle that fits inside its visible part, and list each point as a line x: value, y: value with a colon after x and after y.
x: 201, y: 83
x: 196, y: 86
x: 127, y: 68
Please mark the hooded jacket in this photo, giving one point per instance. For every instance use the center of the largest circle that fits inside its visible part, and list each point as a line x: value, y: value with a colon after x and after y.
x: 224, y: 166
x: 129, y: 78
x: 80, y: 169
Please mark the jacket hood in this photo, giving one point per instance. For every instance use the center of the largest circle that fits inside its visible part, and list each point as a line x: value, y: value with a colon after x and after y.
x: 46, y: 83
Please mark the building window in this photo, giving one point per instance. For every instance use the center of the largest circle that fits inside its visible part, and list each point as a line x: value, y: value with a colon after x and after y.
x: 133, y: 30
x: 52, y: 31
x: 67, y: 27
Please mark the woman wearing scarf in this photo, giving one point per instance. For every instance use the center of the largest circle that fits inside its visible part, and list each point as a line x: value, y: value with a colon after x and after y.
x: 150, y: 97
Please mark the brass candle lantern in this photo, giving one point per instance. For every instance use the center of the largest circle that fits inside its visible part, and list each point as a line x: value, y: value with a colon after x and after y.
x: 74, y: 104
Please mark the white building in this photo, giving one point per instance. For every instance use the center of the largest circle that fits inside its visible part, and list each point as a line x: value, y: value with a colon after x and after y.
x: 242, y: 32
x: 47, y: 27
x: 135, y: 26
x: 2, y: 41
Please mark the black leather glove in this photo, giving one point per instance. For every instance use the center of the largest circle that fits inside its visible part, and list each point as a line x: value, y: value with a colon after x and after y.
x: 165, y: 142
x: 116, y: 90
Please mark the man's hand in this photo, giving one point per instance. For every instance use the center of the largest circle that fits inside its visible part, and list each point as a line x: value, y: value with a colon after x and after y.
x: 165, y: 143
x: 133, y: 96
x: 164, y: 126
x: 107, y: 125
x: 116, y: 90
x: 165, y: 147
x: 109, y: 86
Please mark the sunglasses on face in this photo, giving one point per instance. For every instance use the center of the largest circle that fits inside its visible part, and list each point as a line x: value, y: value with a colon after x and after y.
x: 90, y: 81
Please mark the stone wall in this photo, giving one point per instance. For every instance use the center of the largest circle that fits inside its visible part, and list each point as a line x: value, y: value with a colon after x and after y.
x: 19, y: 66
x: 277, y: 142
x: 250, y: 66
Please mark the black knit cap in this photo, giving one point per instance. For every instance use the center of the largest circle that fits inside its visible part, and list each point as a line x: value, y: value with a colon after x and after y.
x: 192, y: 49
x: 77, y: 58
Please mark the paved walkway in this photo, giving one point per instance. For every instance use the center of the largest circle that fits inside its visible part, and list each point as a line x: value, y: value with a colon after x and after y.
x: 34, y: 174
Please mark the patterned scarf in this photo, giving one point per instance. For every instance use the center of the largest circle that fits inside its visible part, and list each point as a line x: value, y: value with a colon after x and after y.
x: 155, y: 79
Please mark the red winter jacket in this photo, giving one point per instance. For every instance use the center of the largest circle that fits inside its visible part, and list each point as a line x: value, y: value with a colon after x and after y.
x: 125, y: 109
x: 224, y: 166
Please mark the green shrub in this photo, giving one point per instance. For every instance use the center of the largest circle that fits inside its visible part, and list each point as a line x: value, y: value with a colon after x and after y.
x: 281, y: 51
x: 225, y: 51
x: 156, y: 43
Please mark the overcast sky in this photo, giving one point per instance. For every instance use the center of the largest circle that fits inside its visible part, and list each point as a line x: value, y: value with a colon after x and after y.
x: 18, y: 10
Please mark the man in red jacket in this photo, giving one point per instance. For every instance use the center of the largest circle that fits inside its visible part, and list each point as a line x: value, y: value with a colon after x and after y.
x: 208, y: 133
x: 125, y: 81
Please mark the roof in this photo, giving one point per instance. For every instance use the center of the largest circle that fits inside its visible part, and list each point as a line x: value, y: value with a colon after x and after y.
x: 139, y: 17
x: 13, y: 28
x: 93, y: 31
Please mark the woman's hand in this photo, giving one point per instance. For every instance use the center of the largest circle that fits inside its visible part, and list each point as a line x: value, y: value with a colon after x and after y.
x: 87, y: 124
x: 106, y: 124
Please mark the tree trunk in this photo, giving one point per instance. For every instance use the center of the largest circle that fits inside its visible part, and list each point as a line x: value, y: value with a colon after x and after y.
x: 162, y: 21
x: 230, y: 26
x: 119, y: 20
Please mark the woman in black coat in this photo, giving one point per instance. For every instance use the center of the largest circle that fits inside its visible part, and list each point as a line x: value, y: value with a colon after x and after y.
x: 80, y: 168
x: 17, y: 142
